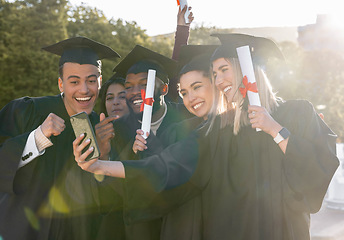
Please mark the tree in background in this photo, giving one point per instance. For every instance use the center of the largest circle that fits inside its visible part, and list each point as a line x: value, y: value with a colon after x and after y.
x: 322, y: 81
x: 121, y: 35
x: 26, y: 26
x: 316, y: 76
x: 200, y: 35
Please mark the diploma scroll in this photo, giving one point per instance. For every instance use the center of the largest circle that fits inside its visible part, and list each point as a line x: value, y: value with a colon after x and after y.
x: 247, y: 70
x: 147, y: 110
x: 182, y: 3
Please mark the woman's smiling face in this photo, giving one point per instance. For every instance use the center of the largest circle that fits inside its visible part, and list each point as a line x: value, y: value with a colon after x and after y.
x: 115, y: 100
x: 197, y: 93
x: 224, y: 80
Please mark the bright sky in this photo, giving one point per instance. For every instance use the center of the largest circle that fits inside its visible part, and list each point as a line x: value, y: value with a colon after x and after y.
x: 159, y: 16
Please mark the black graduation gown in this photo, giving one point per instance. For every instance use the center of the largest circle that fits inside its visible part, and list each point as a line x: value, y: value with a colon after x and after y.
x: 125, y: 129
x: 111, y: 201
x: 246, y: 187
x: 50, y: 197
x: 179, y: 219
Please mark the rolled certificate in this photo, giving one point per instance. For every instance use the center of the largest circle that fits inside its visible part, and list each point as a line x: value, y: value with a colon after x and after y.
x: 247, y: 70
x: 148, y: 103
x: 182, y: 3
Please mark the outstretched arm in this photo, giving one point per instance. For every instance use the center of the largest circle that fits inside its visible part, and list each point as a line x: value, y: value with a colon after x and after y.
x: 181, y: 38
x: 182, y: 33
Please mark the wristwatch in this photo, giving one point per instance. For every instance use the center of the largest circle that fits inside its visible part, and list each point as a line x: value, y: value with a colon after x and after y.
x: 281, y: 135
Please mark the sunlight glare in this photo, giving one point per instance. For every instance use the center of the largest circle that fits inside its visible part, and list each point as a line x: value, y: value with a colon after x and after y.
x: 336, y: 21
x: 31, y: 217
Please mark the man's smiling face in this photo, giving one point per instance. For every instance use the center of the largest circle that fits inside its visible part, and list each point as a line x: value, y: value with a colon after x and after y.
x: 133, y: 85
x: 80, y: 86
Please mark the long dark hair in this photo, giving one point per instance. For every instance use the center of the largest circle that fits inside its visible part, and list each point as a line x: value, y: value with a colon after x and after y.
x: 104, y: 88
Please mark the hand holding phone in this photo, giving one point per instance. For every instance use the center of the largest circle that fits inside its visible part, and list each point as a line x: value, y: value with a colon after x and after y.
x: 81, y: 125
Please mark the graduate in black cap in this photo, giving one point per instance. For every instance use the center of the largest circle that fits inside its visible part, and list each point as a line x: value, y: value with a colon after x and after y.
x: 266, y: 185
x: 197, y: 93
x: 135, y: 67
x: 253, y: 184
x: 43, y: 194
x: 105, y: 131
x: 195, y: 89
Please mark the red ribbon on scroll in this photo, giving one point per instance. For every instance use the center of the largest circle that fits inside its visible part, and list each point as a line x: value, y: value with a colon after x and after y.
x: 148, y: 101
x: 248, y: 87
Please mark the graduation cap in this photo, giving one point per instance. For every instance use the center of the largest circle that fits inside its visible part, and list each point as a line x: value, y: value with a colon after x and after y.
x: 261, y: 48
x: 141, y: 59
x: 81, y: 50
x: 118, y: 75
x: 117, y: 78
x: 195, y: 57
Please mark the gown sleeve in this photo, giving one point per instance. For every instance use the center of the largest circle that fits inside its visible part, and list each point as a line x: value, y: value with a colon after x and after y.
x: 155, y: 185
x: 310, y: 158
x: 16, y: 119
x: 181, y: 38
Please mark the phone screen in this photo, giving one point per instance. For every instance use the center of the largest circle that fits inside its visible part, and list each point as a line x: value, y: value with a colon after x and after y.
x: 82, y: 125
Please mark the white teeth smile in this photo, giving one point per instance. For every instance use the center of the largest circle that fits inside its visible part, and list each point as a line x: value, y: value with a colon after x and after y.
x: 227, y: 89
x: 197, y: 105
x: 137, y: 102
x: 83, y: 99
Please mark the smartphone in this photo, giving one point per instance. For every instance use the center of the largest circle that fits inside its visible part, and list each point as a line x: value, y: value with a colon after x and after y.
x: 82, y: 124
